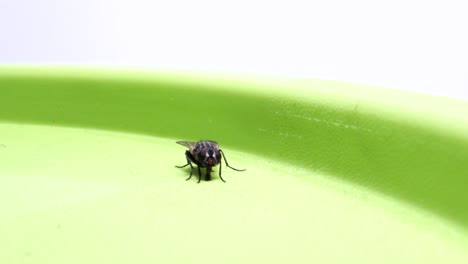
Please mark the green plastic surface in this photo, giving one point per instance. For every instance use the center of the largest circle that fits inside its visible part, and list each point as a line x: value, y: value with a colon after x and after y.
x: 336, y: 172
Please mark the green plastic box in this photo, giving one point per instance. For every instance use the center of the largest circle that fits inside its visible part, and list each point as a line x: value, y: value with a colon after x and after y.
x: 336, y: 172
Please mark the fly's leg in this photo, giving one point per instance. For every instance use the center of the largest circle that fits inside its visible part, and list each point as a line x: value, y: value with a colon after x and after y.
x: 220, y: 165
x: 190, y: 159
x: 227, y: 164
x: 199, y: 174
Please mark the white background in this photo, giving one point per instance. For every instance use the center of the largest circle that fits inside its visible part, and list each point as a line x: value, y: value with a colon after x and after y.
x: 414, y: 45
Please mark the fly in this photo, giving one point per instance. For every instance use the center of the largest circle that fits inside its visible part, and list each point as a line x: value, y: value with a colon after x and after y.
x: 205, y: 154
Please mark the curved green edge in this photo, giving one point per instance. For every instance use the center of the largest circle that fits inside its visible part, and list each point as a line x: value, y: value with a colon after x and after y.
x: 410, y: 146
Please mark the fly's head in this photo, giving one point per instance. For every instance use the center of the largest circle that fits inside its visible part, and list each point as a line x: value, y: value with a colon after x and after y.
x: 207, y: 153
x: 209, y: 157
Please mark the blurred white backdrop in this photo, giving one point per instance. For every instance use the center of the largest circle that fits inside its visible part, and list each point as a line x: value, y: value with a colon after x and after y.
x: 411, y: 44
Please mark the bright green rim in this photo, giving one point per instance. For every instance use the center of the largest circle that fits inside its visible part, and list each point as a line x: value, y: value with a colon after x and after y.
x: 410, y: 146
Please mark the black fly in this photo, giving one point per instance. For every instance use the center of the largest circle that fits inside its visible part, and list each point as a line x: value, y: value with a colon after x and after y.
x: 205, y: 154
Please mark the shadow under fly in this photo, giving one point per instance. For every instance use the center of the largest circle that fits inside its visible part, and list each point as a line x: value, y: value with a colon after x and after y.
x: 205, y: 154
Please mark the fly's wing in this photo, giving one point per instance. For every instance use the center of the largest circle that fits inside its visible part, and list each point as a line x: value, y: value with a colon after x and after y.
x: 189, y: 144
